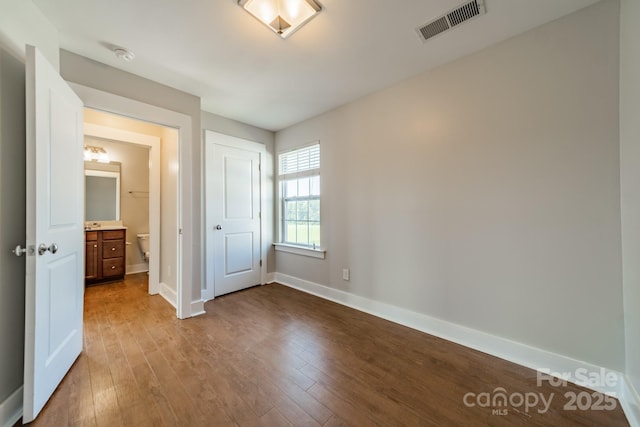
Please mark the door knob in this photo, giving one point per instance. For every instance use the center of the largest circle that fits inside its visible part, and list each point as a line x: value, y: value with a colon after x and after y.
x: 218, y: 227
x: 42, y: 248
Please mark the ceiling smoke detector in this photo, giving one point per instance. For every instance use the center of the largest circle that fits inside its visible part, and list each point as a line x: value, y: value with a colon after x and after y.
x: 124, y: 54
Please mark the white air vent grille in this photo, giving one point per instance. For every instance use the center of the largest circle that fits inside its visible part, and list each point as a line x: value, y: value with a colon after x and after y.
x: 451, y: 19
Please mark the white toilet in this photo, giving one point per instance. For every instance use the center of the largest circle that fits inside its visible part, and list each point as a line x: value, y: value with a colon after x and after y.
x: 143, y: 244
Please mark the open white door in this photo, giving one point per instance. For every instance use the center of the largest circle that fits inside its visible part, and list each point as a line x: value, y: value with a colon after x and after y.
x: 55, y: 198
x: 234, y: 189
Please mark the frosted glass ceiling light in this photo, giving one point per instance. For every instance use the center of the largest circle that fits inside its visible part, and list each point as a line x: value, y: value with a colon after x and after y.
x: 284, y: 17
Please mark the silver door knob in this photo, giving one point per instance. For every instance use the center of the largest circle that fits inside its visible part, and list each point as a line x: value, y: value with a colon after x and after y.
x: 42, y: 248
x: 218, y: 227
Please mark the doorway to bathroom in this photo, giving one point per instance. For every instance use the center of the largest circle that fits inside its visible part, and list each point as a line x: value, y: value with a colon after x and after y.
x: 135, y: 147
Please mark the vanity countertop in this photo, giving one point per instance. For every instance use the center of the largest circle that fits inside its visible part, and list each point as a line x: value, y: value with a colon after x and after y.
x: 106, y: 228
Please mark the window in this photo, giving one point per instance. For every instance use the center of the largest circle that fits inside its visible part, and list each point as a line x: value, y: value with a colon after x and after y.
x: 299, y: 180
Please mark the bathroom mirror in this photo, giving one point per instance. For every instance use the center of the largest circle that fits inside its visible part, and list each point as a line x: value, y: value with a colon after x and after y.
x: 102, y: 191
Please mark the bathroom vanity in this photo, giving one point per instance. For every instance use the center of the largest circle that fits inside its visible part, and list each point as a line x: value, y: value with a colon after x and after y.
x: 104, y: 255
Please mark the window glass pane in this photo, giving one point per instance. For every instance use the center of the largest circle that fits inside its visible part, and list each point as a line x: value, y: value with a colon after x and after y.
x: 290, y: 210
x: 290, y: 188
x: 303, y: 233
x: 314, y: 210
x: 315, y: 185
x: 303, y: 210
x: 303, y: 187
x: 290, y: 231
x: 314, y: 233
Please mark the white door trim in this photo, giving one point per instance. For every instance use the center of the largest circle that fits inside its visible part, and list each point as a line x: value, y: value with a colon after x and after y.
x: 217, y: 138
x: 115, y: 104
x: 153, y: 142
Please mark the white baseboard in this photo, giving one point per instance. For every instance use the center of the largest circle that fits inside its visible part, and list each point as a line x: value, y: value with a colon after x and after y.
x: 511, y: 351
x: 137, y: 268
x: 271, y: 277
x: 169, y: 294
x: 11, y: 409
x: 197, y: 308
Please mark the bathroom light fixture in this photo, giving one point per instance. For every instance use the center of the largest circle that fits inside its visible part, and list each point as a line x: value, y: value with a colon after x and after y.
x: 95, y: 154
x: 124, y: 54
x: 284, y: 17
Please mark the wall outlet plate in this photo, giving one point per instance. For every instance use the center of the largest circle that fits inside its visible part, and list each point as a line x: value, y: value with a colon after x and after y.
x: 345, y: 274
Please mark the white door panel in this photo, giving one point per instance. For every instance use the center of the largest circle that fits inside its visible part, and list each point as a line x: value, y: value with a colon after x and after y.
x: 238, y: 190
x: 233, y: 198
x: 238, y: 252
x: 55, y: 199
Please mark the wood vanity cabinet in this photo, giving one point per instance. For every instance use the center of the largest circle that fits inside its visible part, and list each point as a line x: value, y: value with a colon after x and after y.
x: 91, y: 255
x: 104, y: 255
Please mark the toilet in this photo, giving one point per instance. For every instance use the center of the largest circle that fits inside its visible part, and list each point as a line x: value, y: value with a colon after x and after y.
x: 143, y: 244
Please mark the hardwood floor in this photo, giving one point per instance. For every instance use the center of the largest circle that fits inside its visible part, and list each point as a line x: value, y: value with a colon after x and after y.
x: 274, y: 356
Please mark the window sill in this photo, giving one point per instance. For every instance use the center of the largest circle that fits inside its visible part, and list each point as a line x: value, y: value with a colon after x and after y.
x: 300, y: 250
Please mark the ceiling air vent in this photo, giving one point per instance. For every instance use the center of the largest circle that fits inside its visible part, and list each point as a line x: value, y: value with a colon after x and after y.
x: 452, y: 19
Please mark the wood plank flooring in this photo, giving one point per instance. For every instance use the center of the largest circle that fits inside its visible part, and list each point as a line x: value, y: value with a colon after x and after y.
x: 273, y: 356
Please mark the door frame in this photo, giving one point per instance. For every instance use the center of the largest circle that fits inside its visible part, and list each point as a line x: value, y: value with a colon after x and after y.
x: 153, y: 143
x: 212, y: 138
x: 118, y: 105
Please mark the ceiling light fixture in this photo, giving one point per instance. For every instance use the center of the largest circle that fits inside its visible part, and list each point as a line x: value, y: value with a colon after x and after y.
x: 124, y: 54
x: 284, y: 17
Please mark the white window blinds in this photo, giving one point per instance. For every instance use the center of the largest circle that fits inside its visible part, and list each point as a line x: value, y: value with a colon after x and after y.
x: 301, y: 162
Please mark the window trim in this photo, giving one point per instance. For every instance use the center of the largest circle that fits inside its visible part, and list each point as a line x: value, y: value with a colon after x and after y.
x: 300, y: 250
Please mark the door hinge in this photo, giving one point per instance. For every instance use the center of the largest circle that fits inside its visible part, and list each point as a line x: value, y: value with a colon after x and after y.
x: 180, y: 231
x: 260, y: 263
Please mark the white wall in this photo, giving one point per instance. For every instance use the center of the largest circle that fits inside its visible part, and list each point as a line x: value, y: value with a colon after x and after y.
x: 630, y: 180
x: 486, y: 192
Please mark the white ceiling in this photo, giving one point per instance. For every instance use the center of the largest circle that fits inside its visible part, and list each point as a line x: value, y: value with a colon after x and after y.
x: 242, y: 70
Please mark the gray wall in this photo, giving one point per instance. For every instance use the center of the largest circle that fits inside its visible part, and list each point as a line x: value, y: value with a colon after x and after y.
x: 486, y: 192
x: 12, y: 221
x: 251, y: 133
x: 630, y: 180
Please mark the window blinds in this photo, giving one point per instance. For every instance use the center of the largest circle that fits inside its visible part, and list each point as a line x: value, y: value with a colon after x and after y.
x: 300, y: 162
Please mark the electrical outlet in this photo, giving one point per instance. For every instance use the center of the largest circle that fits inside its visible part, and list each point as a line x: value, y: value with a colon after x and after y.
x: 345, y: 274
